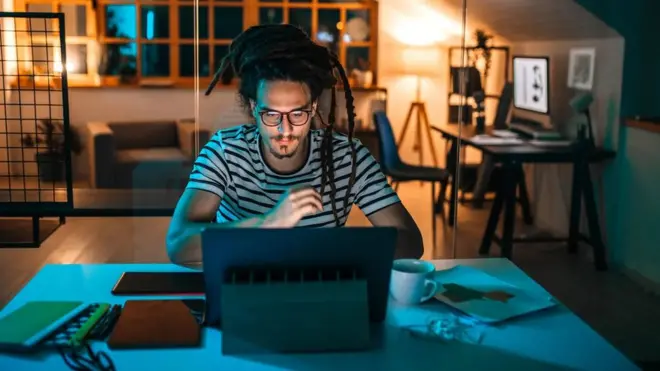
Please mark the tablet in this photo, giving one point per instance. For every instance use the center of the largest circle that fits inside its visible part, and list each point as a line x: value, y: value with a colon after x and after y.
x: 160, y: 283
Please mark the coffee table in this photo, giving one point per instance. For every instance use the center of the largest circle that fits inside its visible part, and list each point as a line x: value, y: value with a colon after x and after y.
x: 551, y: 340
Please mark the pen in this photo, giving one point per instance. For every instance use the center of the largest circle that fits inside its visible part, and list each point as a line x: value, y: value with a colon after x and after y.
x: 79, y: 336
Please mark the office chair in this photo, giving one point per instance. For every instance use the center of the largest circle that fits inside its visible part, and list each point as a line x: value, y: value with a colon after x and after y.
x: 503, y: 107
x: 487, y: 166
x: 398, y: 171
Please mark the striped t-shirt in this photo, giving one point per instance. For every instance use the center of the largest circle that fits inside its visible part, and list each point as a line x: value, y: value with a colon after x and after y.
x: 231, y: 166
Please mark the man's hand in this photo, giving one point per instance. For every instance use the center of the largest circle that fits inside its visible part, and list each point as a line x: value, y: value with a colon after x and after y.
x: 293, y: 206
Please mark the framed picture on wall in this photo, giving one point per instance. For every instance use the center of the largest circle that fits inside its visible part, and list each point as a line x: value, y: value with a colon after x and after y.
x: 581, y: 66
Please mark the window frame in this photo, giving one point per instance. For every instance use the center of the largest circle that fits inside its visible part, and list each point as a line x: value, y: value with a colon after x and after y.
x: 89, y: 40
x: 96, y: 40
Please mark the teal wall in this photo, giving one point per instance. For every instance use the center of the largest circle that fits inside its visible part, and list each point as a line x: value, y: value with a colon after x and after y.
x: 632, y: 202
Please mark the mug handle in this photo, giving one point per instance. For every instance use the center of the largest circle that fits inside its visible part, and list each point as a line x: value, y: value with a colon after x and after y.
x: 432, y: 287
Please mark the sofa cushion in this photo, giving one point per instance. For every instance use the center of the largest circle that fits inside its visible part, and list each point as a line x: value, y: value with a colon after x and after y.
x: 153, y: 155
x: 163, y: 168
x: 142, y: 135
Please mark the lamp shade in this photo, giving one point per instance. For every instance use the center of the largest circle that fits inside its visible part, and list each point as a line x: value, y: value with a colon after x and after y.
x: 421, y: 61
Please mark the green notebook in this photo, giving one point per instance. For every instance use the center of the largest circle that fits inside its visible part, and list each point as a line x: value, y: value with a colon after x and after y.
x: 29, y: 324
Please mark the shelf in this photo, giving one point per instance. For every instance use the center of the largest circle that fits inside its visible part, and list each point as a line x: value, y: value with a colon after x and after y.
x: 650, y: 124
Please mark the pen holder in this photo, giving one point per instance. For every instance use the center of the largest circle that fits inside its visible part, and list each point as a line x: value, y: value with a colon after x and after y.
x: 294, y: 310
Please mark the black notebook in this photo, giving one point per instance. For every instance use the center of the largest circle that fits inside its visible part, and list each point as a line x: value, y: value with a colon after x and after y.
x: 160, y: 283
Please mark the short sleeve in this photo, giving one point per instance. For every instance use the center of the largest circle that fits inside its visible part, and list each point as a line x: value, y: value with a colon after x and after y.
x: 210, y: 171
x: 373, y: 192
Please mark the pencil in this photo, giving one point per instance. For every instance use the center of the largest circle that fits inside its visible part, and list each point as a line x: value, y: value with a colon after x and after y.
x: 79, y: 336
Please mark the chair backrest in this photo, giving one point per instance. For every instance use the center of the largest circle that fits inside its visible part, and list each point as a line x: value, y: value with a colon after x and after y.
x: 503, y: 106
x: 389, y: 153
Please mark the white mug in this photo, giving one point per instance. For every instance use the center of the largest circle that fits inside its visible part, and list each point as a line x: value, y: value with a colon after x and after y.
x: 410, y: 282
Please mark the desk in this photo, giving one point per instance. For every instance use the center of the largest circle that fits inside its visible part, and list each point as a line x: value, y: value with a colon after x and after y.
x: 511, y: 157
x: 552, y: 340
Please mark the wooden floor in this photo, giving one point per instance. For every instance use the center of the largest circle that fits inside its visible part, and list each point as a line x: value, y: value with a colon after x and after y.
x: 614, y: 306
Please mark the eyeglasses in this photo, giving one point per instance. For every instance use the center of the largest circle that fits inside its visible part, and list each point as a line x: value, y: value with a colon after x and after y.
x: 296, y: 118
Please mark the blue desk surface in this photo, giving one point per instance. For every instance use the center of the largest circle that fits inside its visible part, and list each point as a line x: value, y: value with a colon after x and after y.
x: 552, y: 340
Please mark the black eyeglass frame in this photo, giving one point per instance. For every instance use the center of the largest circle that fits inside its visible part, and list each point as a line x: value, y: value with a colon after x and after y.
x: 309, y: 113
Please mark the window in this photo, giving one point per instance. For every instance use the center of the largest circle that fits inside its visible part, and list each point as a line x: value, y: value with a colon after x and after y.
x: 131, y: 41
x: 348, y: 28
x: 42, y: 47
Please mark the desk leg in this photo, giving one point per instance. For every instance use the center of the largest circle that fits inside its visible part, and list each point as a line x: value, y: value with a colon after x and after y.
x: 524, y: 196
x: 493, y: 218
x: 592, y: 218
x: 576, y: 209
x: 510, y: 185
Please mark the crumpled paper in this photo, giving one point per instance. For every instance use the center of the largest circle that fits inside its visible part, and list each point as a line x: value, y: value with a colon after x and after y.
x: 448, y: 328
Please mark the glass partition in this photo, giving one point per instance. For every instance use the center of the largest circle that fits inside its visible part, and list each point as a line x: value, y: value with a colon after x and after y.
x: 137, y: 71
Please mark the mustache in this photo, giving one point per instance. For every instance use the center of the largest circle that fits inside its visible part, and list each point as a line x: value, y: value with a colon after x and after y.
x: 286, y: 137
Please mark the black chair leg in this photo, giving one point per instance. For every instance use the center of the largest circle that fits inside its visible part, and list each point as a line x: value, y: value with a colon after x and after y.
x: 433, y: 218
x: 441, y: 198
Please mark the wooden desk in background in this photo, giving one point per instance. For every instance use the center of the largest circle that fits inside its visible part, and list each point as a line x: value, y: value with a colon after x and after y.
x: 511, y: 158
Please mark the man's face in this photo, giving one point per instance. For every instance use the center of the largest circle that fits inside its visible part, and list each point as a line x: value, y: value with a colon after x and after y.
x: 284, y: 112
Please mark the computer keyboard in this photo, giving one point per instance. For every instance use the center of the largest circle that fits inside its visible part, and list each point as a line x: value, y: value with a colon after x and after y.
x: 535, y: 132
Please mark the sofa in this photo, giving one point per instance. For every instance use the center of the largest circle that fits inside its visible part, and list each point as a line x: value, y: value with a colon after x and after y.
x: 142, y: 154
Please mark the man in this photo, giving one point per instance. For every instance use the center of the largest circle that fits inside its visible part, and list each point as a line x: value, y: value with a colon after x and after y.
x: 281, y: 173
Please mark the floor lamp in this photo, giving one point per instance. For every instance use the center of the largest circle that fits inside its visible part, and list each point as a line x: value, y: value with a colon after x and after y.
x: 421, y: 62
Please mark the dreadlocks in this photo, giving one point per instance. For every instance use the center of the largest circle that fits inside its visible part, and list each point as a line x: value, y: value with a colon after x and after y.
x: 285, y: 52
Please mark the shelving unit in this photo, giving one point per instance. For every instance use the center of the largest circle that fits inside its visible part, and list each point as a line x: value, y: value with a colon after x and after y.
x: 468, y: 107
x: 35, y: 178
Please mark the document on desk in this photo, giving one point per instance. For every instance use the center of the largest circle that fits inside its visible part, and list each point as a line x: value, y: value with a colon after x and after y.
x: 551, y: 143
x: 505, y: 134
x: 496, y: 141
x: 485, y: 297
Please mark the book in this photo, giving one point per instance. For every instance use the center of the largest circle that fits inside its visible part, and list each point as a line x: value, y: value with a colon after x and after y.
x: 151, y: 324
x: 484, y: 297
x: 29, y: 324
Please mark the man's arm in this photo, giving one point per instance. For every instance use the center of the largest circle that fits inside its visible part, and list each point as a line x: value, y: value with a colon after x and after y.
x: 194, y: 212
x: 409, y: 242
x: 197, y: 207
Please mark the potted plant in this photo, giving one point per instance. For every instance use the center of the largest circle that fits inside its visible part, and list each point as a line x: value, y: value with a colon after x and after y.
x: 483, y: 51
x: 49, y: 141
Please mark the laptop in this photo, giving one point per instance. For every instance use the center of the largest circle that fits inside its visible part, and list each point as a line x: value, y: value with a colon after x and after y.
x: 369, y: 250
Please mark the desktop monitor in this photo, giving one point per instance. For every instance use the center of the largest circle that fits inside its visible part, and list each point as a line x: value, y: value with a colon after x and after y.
x: 531, y: 81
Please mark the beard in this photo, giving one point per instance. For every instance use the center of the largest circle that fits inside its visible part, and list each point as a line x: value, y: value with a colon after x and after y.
x: 282, y: 151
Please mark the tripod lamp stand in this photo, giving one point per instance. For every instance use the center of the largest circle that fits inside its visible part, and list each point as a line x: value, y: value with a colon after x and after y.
x: 421, y: 62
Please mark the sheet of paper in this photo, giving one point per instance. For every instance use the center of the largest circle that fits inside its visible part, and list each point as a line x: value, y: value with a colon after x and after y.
x: 485, y: 297
x: 495, y: 141
x: 505, y: 134
x: 550, y: 143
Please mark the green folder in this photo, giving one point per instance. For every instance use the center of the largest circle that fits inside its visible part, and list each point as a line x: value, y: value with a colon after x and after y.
x: 29, y: 324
